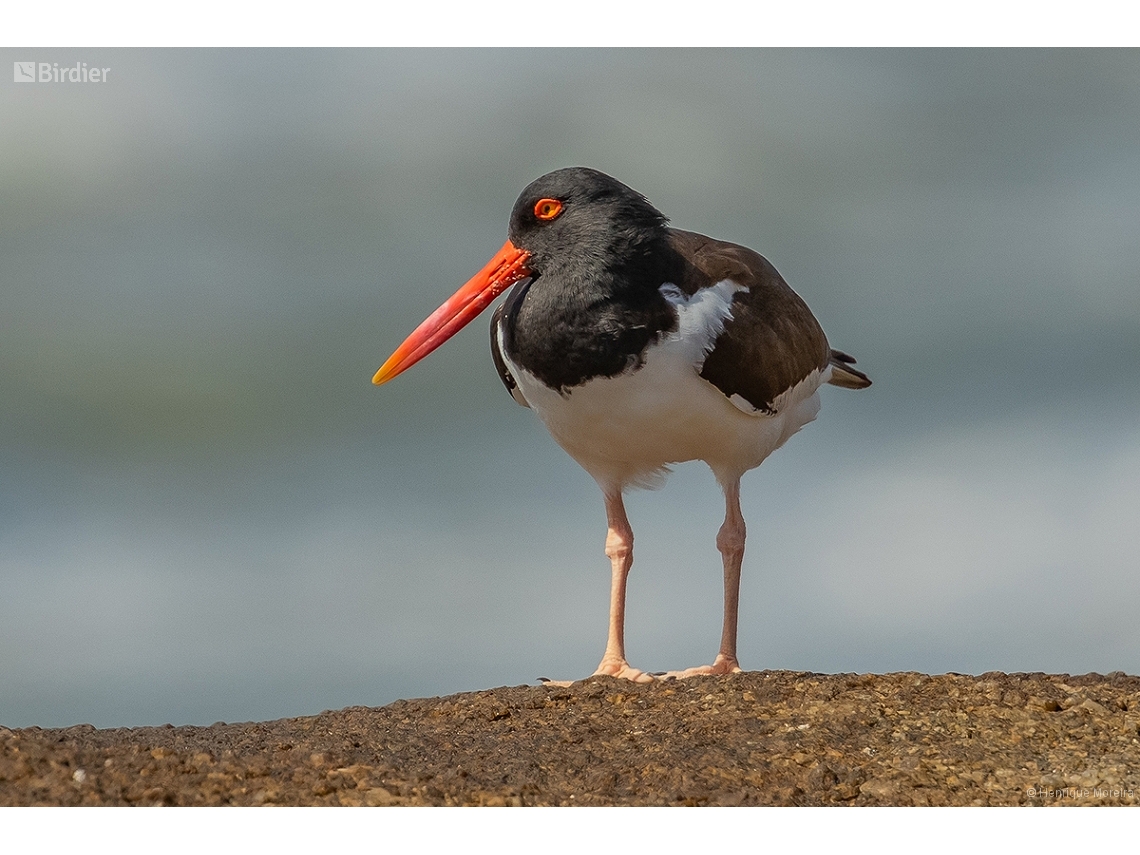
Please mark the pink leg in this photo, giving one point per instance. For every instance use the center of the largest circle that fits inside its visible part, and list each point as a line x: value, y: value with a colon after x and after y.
x: 730, y: 542
x: 619, y: 549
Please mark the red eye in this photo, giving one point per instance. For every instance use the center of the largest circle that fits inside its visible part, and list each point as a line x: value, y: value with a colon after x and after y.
x: 547, y: 209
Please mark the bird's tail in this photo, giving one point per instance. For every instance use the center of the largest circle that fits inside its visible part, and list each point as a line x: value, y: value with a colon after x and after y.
x: 842, y: 374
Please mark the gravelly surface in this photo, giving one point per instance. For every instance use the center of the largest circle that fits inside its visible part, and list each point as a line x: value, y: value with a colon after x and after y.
x: 771, y: 737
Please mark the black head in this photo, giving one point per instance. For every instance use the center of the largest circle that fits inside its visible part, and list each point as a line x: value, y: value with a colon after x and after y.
x: 579, y: 217
x: 578, y: 239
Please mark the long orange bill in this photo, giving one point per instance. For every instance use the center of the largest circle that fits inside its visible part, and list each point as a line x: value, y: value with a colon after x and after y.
x: 500, y: 273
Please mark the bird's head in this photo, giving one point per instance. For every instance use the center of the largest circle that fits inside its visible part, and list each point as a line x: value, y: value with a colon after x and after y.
x: 579, y: 217
x: 576, y: 221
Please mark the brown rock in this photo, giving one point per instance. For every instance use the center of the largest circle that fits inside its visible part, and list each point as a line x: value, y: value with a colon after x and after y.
x: 755, y: 738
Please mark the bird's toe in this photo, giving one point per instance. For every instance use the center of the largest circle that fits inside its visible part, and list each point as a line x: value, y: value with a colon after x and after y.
x: 722, y: 665
x: 623, y: 671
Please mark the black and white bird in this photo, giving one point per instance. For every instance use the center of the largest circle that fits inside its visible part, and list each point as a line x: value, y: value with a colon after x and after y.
x: 640, y: 346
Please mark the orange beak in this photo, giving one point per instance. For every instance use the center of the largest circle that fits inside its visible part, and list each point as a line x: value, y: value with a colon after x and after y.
x: 500, y: 273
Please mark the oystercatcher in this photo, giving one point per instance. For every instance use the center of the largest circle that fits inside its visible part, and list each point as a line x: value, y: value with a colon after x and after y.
x: 640, y: 346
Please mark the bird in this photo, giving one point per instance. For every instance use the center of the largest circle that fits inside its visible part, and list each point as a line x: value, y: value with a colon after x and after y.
x: 640, y: 346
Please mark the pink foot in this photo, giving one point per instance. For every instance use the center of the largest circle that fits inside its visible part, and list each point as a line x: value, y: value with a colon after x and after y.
x: 722, y: 665
x: 618, y: 668
x: 622, y: 670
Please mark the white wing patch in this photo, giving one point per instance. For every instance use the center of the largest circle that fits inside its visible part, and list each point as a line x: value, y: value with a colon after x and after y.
x: 701, y: 318
x: 743, y: 404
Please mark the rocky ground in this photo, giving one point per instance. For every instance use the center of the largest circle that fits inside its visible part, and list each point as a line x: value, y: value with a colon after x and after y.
x: 760, y: 738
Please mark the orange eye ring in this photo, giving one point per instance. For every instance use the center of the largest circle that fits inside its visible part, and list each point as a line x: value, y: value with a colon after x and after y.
x: 547, y: 209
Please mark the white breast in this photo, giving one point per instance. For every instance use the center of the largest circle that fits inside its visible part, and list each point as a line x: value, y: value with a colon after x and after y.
x: 626, y: 430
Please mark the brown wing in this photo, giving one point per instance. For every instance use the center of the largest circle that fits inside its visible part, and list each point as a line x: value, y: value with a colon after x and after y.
x: 772, y: 341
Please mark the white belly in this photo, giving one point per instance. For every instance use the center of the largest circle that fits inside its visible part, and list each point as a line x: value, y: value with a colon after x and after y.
x: 626, y: 430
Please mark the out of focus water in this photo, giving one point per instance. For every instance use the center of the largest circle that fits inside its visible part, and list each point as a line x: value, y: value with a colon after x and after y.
x: 207, y: 512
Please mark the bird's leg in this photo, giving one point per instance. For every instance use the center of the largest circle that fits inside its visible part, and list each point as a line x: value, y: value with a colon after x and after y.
x: 730, y: 542
x: 619, y: 549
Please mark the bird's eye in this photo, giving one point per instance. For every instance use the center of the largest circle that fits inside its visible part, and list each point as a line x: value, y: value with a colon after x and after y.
x: 547, y: 209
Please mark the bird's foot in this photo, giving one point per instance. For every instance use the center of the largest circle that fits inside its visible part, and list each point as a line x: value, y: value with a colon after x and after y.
x: 609, y: 668
x: 722, y: 665
x: 623, y: 671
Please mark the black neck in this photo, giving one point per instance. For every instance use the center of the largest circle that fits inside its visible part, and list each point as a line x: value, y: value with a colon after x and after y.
x: 581, y: 321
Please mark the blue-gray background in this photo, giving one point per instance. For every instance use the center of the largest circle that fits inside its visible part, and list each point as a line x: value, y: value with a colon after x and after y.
x: 208, y: 513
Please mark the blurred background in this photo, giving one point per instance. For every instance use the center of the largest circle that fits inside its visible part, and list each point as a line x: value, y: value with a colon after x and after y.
x: 207, y: 512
